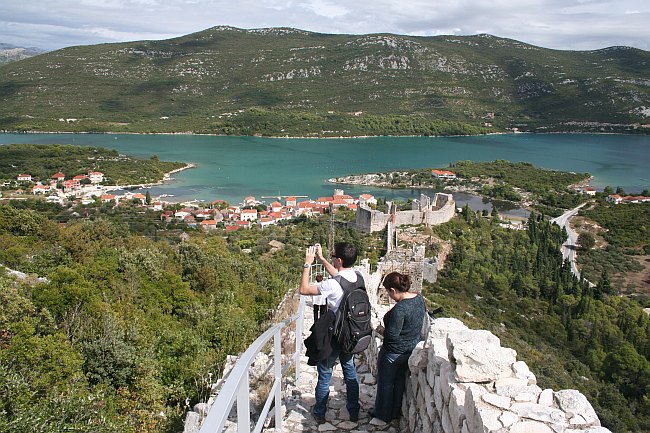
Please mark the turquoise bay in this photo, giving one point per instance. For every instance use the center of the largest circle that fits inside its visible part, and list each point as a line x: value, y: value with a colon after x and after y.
x: 230, y: 168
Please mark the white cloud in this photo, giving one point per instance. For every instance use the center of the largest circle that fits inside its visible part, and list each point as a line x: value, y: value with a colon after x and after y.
x: 325, y: 9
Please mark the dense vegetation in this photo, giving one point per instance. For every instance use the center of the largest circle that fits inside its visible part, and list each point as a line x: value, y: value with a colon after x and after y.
x: 515, y: 284
x: 626, y: 224
x: 509, y: 180
x: 627, y: 236
x: 290, y: 82
x: 42, y: 161
x: 127, y: 327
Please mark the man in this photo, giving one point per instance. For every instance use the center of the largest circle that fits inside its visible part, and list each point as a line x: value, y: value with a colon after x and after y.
x: 342, y: 260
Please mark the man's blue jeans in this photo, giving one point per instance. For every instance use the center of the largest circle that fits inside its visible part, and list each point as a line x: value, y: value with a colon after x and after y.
x: 325, y: 375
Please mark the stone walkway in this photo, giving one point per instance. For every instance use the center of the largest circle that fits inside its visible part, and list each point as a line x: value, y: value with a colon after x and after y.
x: 298, y: 417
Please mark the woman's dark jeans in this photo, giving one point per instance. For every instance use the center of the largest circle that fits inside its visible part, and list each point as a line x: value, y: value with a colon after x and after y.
x: 391, y: 381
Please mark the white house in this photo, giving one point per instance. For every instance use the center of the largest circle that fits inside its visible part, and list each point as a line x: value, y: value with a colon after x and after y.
x: 368, y: 199
x: 276, y: 206
x: 208, y: 225
x: 443, y: 174
x: 250, y: 201
x: 41, y: 189
x: 96, y: 176
x: 266, y: 221
x: 24, y: 177
x: 181, y: 214
x: 248, y: 214
x: 107, y: 198
x: 55, y: 199
x: 591, y: 191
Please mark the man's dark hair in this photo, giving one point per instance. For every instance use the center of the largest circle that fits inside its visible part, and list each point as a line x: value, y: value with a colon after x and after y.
x: 346, y: 252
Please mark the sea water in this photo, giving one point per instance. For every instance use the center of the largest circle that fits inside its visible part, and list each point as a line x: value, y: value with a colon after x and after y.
x: 230, y: 168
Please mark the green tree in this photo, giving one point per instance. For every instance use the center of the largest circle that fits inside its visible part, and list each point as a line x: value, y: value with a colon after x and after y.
x: 629, y: 370
x: 586, y: 240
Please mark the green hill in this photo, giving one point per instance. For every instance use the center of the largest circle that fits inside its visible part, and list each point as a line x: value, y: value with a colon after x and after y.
x: 290, y: 82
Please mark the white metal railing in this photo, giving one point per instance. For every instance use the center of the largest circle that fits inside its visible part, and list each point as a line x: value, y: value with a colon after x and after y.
x: 237, y: 383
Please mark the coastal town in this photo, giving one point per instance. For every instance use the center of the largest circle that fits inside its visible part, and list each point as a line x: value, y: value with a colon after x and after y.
x: 88, y: 190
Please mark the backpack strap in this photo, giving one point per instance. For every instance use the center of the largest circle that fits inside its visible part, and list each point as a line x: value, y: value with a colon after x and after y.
x: 347, y: 285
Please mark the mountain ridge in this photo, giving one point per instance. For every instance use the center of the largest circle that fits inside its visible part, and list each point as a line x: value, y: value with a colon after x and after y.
x: 285, y: 81
x: 12, y: 53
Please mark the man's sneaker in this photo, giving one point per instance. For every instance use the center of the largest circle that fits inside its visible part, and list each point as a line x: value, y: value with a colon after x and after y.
x: 319, y: 419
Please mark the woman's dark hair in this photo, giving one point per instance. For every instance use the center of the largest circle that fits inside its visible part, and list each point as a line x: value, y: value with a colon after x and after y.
x: 397, y: 281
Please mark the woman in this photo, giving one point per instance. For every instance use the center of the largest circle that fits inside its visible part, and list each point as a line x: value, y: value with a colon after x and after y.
x: 402, y: 329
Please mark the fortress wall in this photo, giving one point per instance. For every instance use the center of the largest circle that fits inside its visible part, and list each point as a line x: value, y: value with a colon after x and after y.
x: 364, y: 219
x: 463, y: 381
x: 441, y: 199
x: 430, y: 270
x: 442, y: 215
x: 423, y: 212
x: 369, y: 221
x: 408, y: 217
x: 413, y: 269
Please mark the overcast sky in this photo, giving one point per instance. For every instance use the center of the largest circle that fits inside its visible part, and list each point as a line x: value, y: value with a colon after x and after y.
x: 559, y: 24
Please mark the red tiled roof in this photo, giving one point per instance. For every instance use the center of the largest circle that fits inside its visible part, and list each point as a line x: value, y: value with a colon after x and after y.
x: 443, y: 172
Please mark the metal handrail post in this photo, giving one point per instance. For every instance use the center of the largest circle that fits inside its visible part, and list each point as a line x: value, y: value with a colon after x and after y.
x: 278, y: 377
x: 299, y: 327
x: 243, y: 405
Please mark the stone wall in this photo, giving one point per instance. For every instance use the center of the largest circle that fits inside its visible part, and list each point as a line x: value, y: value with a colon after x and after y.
x: 369, y: 221
x: 463, y: 381
x: 430, y: 270
x: 445, y: 210
x: 424, y: 211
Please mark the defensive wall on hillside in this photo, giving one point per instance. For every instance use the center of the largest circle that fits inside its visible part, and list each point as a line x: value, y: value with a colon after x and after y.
x: 461, y: 381
x: 427, y: 211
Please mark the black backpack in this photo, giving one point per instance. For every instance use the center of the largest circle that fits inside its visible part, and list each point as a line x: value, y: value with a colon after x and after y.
x: 352, y: 328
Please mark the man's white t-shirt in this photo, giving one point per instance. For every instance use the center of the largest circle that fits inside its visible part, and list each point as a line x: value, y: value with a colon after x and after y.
x: 333, y: 291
